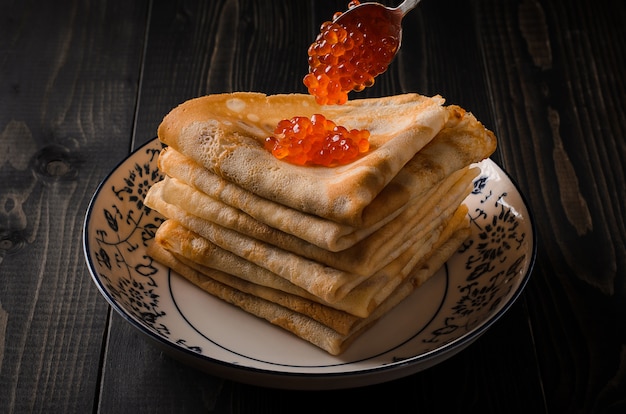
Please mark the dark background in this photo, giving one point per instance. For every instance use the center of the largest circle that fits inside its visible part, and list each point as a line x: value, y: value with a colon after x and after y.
x: 83, y: 83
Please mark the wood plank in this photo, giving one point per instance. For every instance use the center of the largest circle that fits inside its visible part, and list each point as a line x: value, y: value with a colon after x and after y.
x: 560, y: 107
x: 69, y: 77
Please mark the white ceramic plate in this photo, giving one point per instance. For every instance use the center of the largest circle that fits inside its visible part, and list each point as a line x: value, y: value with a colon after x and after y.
x: 477, y: 285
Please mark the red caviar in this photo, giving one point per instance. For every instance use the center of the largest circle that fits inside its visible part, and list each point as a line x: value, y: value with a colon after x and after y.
x: 317, y: 141
x: 348, y: 56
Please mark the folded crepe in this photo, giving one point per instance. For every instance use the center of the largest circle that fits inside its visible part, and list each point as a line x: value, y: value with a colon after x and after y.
x: 305, y: 327
x: 363, y: 258
x: 323, y: 276
x: 462, y: 141
x: 225, y: 134
x: 359, y: 301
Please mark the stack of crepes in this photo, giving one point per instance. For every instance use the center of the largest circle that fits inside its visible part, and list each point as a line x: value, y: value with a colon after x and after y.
x: 322, y: 252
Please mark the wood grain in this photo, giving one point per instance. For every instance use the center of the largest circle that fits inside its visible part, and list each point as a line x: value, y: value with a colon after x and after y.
x: 83, y: 84
x: 564, y: 98
x: 69, y: 80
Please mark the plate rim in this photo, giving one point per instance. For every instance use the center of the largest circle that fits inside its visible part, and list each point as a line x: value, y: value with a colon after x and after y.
x: 307, y: 380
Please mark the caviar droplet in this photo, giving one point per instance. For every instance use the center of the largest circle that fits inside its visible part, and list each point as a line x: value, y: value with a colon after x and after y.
x: 316, y: 141
x: 350, y: 55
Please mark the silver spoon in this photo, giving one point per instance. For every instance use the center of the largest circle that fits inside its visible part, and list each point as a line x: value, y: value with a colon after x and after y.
x: 393, y: 14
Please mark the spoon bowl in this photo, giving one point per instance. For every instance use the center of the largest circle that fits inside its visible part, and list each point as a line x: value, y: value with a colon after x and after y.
x: 358, y: 45
x: 392, y: 15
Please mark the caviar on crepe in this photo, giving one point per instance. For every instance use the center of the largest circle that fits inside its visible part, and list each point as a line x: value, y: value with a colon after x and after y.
x: 316, y: 141
x: 347, y: 56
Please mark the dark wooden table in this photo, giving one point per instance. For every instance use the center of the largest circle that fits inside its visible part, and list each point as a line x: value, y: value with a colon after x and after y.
x: 84, y: 83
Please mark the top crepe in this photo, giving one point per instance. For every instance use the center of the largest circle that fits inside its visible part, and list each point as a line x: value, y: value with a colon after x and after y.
x: 225, y: 134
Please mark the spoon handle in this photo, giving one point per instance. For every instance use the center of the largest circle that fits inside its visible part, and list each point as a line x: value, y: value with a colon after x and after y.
x: 406, y: 6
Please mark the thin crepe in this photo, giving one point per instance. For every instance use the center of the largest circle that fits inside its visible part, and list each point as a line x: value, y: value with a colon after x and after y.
x: 225, y: 134
x: 360, y: 301
x: 300, y: 325
x: 367, y: 256
x: 463, y: 140
x: 322, y: 276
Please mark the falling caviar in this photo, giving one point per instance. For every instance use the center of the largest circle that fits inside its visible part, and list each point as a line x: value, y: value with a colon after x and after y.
x: 316, y: 141
x: 347, y: 56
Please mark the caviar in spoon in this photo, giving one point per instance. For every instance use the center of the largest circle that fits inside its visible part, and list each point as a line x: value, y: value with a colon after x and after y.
x: 354, y: 48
